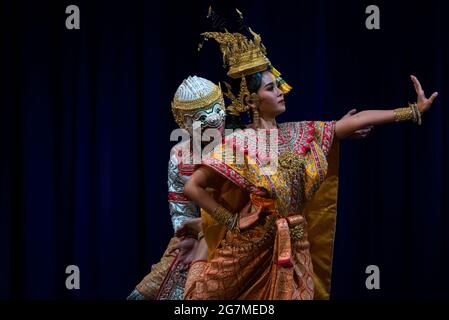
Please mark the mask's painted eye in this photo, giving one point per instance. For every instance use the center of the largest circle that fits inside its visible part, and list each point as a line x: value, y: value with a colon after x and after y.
x: 202, y: 118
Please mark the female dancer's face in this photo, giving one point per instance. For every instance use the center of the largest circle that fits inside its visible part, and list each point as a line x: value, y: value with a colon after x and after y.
x: 271, y: 99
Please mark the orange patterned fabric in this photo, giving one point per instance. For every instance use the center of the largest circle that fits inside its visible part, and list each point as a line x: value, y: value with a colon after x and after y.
x: 273, y: 258
x: 245, y: 267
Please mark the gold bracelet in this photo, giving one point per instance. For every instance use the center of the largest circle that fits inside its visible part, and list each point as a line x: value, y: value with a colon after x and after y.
x: 416, y: 112
x: 223, y: 216
x: 200, y: 235
x: 403, y: 114
x: 410, y: 113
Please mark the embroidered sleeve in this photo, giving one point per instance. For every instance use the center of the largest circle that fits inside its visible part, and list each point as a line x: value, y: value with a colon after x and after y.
x: 324, y: 134
x: 181, y: 208
x: 234, y: 162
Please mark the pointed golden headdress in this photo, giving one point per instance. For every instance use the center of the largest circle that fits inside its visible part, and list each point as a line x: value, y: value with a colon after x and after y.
x: 243, y: 57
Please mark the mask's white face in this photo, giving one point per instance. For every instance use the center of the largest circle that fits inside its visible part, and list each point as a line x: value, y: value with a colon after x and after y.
x: 212, y: 117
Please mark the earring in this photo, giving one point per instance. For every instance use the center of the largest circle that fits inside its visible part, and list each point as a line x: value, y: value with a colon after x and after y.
x: 256, y: 118
x: 252, y: 98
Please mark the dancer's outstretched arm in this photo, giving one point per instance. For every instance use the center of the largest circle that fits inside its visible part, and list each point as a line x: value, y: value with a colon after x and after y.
x: 347, y: 126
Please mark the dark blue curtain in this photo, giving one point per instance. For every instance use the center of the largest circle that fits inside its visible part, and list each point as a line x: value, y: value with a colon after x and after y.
x: 85, y: 123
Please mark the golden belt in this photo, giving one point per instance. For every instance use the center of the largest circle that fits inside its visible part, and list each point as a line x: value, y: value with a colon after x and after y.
x: 288, y: 228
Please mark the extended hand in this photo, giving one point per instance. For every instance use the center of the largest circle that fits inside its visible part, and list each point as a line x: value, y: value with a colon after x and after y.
x: 189, y: 228
x: 422, y: 102
x: 186, y: 253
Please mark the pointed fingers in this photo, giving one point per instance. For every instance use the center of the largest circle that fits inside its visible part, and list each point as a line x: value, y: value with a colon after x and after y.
x: 433, y: 96
x: 417, y: 86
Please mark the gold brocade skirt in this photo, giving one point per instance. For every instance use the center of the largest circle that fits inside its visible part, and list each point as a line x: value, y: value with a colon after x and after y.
x: 257, y: 264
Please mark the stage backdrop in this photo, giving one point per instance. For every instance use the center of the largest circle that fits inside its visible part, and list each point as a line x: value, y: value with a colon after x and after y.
x: 85, y: 122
